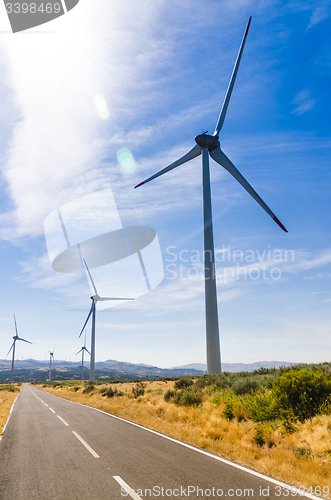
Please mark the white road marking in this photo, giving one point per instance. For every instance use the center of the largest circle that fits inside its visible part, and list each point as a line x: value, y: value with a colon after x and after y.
x: 203, y: 452
x: 52, y: 410
x: 127, y: 488
x: 65, y: 423
x: 45, y: 403
x: 86, y: 445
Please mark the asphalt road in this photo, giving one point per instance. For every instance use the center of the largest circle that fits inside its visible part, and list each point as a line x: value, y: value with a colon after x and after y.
x: 53, y: 449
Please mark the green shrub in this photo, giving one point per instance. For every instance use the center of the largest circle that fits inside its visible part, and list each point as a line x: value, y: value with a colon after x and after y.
x: 187, y: 398
x: 8, y: 387
x: 259, y: 437
x: 168, y: 395
x: 88, y: 388
x: 228, y: 411
x: 301, y: 394
x: 303, y: 452
x: 182, y: 383
x: 263, y: 407
x: 109, y: 392
x: 138, y: 390
x: 246, y: 386
x: 160, y: 412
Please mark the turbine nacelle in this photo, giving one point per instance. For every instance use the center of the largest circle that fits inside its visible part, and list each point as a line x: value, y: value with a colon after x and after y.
x: 210, y: 142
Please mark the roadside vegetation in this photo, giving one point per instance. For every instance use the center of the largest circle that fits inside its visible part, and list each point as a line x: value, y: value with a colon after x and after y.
x: 8, y: 394
x: 277, y: 421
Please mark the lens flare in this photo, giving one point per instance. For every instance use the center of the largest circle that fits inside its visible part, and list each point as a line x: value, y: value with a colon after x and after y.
x: 101, y: 105
x: 126, y: 160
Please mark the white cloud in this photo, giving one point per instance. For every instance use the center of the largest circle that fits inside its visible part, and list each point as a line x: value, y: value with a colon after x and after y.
x: 303, y: 102
x: 319, y: 14
x: 58, y: 138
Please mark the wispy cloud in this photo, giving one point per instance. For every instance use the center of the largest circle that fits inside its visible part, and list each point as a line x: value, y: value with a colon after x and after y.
x: 303, y: 102
x: 319, y: 14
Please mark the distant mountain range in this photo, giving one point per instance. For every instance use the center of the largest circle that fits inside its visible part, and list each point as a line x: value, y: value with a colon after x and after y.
x: 32, y: 369
x: 238, y: 367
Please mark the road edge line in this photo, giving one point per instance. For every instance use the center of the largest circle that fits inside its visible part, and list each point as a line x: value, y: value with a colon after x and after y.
x: 10, y: 412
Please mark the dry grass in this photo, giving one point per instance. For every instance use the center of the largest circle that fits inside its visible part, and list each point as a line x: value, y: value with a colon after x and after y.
x: 6, y: 400
x: 301, y: 458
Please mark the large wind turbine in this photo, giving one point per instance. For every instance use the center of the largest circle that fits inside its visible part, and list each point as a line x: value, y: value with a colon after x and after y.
x: 51, y: 358
x: 13, y: 347
x: 82, y: 351
x: 95, y: 298
x: 210, y: 145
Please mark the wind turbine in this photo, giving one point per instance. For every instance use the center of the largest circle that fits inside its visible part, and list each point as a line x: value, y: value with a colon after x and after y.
x: 51, y: 358
x: 13, y: 347
x: 82, y: 351
x: 210, y: 145
x: 95, y: 299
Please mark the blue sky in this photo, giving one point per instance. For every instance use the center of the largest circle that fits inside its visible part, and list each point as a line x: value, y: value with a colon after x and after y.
x: 162, y: 68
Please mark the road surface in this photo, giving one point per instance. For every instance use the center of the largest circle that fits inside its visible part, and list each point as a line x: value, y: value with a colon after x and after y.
x: 53, y: 449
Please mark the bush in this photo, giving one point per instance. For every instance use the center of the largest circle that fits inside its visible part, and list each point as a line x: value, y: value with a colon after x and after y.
x: 259, y: 436
x: 109, y: 392
x: 8, y: 387
x: 88, y: 388
x: 183, y: 383
x: 184, y: 398
x: 189, y: 398
x: 139, y: 390
x: 246, y: 386
x: 263, y: 407
x: 168, y: 395
x: 303, y: 452
x: 301, y: 394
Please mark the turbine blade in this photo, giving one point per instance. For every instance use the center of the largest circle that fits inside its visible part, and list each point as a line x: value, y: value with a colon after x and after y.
x: 223, y: 160
x: 196, y: 151
x: 114, y: 298
x: 11, y: 347
x: 87, y: 351
x: 94, y: 287
x: 79, y: 351
x: 19, y: 338
x: 221, y: 118
x: 15, y: 325
x: 88, y: 317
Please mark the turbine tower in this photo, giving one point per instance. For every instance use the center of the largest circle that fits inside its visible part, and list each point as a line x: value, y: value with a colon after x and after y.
x: 51, y: 358
x: 95, y: 299
x: 209, y: 145
x: 82, y: 351
x: 13, y: 347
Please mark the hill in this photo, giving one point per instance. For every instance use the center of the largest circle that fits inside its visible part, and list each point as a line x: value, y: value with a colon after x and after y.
x: 30, y: 370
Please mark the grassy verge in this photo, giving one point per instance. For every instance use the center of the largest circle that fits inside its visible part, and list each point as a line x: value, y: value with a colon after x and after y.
x: 8, y: 394
x: 298, y: 452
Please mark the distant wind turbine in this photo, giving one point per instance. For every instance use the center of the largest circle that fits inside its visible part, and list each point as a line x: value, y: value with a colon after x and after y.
x: 82, y: 351
x: 95, y: 298
x: 210, y: 145
x: 51, y: 358
x: 13, y: 347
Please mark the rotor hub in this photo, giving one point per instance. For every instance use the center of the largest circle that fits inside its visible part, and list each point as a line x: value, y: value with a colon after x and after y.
x: 210, y: 142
